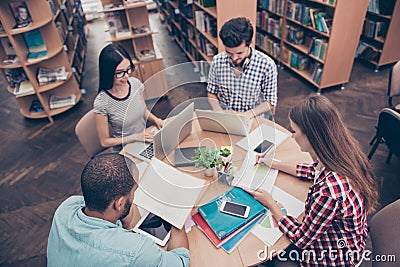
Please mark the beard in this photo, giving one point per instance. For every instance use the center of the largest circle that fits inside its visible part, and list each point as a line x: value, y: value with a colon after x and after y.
x: 127, y: 209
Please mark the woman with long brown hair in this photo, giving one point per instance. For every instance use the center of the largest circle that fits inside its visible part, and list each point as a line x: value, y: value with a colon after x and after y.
x: 334, y: 229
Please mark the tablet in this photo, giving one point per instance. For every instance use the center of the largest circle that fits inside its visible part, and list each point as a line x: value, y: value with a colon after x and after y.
x: 154, y: 227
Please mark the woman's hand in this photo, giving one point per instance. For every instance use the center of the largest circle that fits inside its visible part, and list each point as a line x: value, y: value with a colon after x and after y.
x: 263, y: 197
x: 159, y: 122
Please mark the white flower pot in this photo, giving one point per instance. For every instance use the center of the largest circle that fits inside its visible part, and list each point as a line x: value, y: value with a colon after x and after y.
x: 209, y: 172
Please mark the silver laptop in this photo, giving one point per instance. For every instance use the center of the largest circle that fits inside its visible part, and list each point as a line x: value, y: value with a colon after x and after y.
x: 223, y: 122
x: 166, y: 139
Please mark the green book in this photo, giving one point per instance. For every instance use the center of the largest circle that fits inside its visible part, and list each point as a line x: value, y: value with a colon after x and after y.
x: 34, y: 41
x: 223, y: 224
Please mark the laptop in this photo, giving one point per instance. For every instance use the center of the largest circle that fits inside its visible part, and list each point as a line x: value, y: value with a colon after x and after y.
x: 183, y: 156
x: 166, y: 139
x: 222, y: 122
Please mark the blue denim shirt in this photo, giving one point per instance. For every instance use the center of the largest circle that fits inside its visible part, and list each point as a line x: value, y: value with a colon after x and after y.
x: 76, y: 239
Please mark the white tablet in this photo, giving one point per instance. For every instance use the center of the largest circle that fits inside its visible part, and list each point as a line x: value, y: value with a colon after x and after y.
x: 154, y: 227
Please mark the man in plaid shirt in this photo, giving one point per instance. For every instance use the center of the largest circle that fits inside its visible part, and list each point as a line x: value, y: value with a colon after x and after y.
x: 241, y: 78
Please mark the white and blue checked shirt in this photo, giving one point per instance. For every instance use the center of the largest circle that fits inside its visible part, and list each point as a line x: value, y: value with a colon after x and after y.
x: 257, y: 84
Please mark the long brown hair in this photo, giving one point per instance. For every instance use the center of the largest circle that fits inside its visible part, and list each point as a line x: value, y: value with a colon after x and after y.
x: 335, y: 146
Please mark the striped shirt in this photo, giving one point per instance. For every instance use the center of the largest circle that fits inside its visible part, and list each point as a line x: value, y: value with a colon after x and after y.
x: 334, y: 228
x: 256, y: 84
x: 126, y: 115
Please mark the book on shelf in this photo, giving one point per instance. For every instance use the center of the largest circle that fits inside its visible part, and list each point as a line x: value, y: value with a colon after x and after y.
x: 21, y: 14
x: 295, y: 35
x: 7, y: 46
x: 146, y: 54
x: 142, y: 29
x: 36, y: 107
x: 2, y: 30
x: 35, y: 44
x: 223, y: 224
x: 56, y: 101
x: 23, y: 88
x: 52, y: 6
x: 113, y: 21
x: 45, y: 76
x: 10, y: 59
x: 15, y: 76
x: 123, y: 32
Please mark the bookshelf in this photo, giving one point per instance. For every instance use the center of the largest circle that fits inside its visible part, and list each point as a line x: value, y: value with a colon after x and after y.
x: 195, y: 25
x: 316, y: 39
x: 42, y: 33
x: 380, y: 38
x: 129, y: 26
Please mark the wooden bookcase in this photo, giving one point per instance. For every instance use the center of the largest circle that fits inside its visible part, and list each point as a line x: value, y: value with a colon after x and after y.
x: 345, y: 21
x: 129, y: 25
x: 381, y: 45
x: 44, y: 17
x: 195, y: 25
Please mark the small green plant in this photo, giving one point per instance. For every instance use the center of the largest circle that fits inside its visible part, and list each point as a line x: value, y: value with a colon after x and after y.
x: 207, y: 157
x: 225, y: 152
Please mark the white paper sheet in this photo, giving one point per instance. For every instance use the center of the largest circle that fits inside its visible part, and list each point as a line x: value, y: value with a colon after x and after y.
x: 167, y: 192
x: 263, y: 132
x: 294, y: 207
x: 254, y: 177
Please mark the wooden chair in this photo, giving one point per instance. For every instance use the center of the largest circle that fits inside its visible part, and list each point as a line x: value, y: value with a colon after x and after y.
x: 87, y: 135
x: 394, y: 87
x: 385, y: 232
x: 388, y: 132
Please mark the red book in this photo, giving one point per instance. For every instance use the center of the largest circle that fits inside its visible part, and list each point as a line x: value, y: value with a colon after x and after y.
x: 205, y: 228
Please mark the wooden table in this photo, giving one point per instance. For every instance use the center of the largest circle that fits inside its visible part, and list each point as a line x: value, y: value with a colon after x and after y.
x: 202, y: 251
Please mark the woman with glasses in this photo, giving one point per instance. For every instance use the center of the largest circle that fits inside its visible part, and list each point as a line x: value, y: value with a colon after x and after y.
x: 119, y: 107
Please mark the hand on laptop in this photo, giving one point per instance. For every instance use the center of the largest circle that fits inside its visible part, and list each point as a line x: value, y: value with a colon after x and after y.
x: 159, y: 123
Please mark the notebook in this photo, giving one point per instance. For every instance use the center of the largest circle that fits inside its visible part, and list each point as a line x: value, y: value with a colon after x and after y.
x: 223, y: 122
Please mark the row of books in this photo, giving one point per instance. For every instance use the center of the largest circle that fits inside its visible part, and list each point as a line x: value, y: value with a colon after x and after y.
x: 367, y: 52
x: 314, y: 17
x: 271, y: 25
x: 55, y: 101
x: 317, y: 73
x: 268, y: 45
x: 274, y: 6
x: 295, y: 35
x: 318, y: 47
x: 381, y: 7
x: 224, y: 230
x: 206, y: 47
x: 294, y: 59
x: 33, y: 41
x: 206, y: 23
x: 374, y: 29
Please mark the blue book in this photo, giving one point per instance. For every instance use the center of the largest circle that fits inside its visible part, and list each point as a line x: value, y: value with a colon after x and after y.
x: 223, y: 224
x: 232, y: 243
x: 34, y: 41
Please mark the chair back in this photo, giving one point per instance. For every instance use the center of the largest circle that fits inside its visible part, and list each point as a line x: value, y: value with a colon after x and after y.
x: 389, y: 129
x: 385, y: 232
x: 87, y: 134
x: 394, y: 85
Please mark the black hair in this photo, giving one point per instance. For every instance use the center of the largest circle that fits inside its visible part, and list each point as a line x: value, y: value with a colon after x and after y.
x: 110, y: 57
x: 235, y: 31
x: 104, y: 178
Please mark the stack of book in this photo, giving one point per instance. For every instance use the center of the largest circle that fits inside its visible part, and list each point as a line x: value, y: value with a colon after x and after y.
x: 46, y: 76
x: 23, y: 88
x: 36, y: 46
x: 56, y: 101
x: 225, y: 230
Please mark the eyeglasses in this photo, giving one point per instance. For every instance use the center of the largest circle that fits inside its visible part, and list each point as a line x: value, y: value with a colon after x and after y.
x: 121, y: 73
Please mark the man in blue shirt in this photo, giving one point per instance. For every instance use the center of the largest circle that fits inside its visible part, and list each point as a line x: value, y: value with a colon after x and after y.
x: 92, y: 230
x: 241, y: 78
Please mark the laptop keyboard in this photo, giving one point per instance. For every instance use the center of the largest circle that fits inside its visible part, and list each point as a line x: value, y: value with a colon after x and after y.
x: 148, y: 152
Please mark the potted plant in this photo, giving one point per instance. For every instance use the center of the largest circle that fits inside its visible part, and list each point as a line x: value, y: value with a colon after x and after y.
x: 207, y: 158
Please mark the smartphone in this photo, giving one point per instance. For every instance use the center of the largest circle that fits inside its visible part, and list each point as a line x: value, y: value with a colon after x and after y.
x: 264, y: 146
x: 234, y: 209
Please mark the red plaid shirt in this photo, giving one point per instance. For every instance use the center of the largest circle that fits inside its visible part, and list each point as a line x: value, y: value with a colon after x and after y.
x: 334, y: 228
